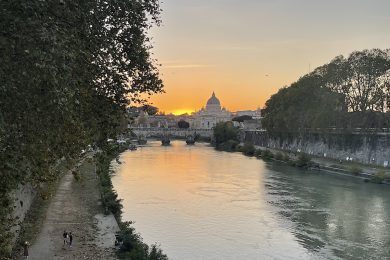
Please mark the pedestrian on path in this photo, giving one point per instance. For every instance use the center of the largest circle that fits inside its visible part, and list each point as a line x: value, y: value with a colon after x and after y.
x: 25, y: 249
x: 70, y: 239
x: 65, y: 235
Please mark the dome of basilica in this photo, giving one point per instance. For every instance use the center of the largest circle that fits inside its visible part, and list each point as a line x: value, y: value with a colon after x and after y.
x: 213, y: 100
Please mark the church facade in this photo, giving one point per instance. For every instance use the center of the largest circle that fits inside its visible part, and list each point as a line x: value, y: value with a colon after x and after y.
x: 209, y: 116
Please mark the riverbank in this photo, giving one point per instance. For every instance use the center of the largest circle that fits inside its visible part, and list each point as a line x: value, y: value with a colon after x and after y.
x: 367, y: 173
x: 129, y: 244
x: 75, y: 207
x: 83, y: 202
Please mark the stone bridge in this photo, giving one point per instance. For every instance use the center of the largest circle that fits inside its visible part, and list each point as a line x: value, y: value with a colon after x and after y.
x: 165, y: 134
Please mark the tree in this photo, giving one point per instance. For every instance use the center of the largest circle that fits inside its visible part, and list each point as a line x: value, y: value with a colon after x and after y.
x: 348, y: 92
x: 303, y: 105
x: 225, y: 131
x: 363, y: 78
x: 151, y: 110
x: 69, y: 69
x: 183, y: 124
x: 241, y: 118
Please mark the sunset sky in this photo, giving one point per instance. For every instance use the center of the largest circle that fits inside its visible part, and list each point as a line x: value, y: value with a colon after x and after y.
x: 245, y: 50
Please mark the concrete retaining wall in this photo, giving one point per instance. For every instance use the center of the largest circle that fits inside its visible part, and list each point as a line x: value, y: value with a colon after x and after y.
x: 23, y: 198
x: 368, y: 149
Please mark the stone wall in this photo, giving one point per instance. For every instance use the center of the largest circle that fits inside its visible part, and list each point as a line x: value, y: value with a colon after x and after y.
x: 23, y: 198
x: 364, y: 148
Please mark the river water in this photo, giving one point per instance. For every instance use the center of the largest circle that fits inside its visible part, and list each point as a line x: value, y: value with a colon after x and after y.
x: 198, y: 203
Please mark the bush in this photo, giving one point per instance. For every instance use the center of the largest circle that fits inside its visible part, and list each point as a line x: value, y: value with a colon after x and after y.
x: 228, y: 146
x: 279, y: 156
x: 130, y: 243
x: 303, y: 160
x: 258, y: 152
x: 356, y: 170
x: 132, y: 247
x: 286, y: 158
x: 224, y: 132
x: 378, y: 177
x: 248, y: 149
x: 267, y: 154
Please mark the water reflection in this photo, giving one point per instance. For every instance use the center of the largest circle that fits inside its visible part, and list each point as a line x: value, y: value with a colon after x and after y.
x: 202, y: 204
x: 332, y: 215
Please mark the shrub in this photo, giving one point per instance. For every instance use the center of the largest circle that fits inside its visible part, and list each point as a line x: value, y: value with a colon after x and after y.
x: 248, y: 149
x: 228, y: 146
x: 286, y: 158
x: 225, y: 131
x: 292, y: 163
x: 279, y: 156
x: 378, y: 177
x: 267, y: 154
x: 130, y: 243
x: 303, y: 160
x: 356, y: 170
x: 258, y: 152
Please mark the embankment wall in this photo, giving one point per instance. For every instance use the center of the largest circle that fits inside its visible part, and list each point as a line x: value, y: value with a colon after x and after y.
x: 371, y: 148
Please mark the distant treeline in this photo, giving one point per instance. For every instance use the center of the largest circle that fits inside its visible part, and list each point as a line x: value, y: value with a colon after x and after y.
x: 347, y: 93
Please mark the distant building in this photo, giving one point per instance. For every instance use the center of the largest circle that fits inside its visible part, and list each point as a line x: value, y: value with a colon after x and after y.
x: 255, y: 114
x: 213, y: 113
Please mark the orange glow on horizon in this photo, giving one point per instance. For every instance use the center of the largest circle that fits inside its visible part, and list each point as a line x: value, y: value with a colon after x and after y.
x: 280, y: 43
x: 181, y: 112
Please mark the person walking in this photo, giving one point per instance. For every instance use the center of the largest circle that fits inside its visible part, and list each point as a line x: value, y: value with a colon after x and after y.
x: 65, y: 235
x: 70, y: 239
x: 25, y: 249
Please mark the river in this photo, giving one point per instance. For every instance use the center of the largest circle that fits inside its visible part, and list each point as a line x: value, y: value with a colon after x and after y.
x: 198, y: 203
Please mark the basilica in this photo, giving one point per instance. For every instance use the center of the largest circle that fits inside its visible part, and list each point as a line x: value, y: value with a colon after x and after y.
x: 209, y: 116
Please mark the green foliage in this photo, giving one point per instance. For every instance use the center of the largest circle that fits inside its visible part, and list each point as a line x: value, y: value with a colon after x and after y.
x: 304, y: 160
x: 151, y: 110
x: 362, y: 78
x: 305, y: 104
x: 183, y: 124
x: 356, y: 170
x: 131, y: 246
x: 241, y: 118
x: 379, y: 177
x: 248, y: 149
x: 347, y: 93
x: 267, y: 154
x: 224, y: 131
x: 68, y: 71
x: 258, y: 152
x: 229, y: 146
x: 279, y: 156
x: 286, y: 158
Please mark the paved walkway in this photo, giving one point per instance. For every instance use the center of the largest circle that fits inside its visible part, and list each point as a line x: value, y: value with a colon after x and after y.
x: 73, y: 208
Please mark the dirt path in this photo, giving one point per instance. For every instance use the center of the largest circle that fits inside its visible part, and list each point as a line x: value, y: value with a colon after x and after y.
x: 73, y: 208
